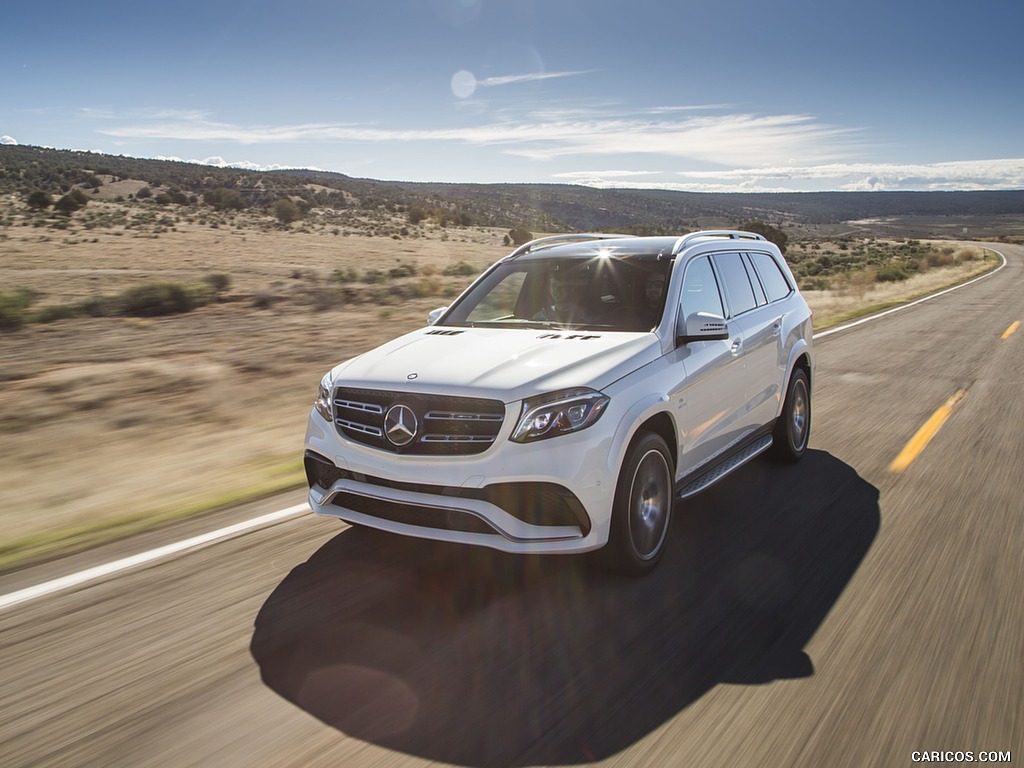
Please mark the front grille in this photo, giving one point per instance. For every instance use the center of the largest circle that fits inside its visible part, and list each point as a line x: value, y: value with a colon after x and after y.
x: 444, y: 425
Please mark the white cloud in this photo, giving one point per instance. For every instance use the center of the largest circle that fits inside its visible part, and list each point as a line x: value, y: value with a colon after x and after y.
x: 530, y: 77
x: 728, y: 140
x: 957, y: 175
x: 245, y: 165
x: 603, y: 174
x: 962, y: 175
x: 5, y: 139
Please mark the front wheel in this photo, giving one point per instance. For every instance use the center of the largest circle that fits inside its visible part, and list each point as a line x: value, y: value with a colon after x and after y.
x: 793, y: 429
x: 642, y: 510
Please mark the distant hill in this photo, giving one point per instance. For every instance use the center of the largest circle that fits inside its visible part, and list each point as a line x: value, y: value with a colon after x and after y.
x: 537, y: 207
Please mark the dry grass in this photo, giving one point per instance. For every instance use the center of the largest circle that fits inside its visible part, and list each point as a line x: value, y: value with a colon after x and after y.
x: 111, y: 424
x: 861, y: 296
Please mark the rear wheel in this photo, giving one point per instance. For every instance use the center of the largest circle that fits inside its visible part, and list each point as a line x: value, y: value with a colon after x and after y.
x: 793, y: 429
x: 643, y: 508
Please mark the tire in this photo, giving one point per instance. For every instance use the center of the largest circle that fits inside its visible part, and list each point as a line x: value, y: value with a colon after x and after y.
x: 642, y: 511
x: 793, y: 429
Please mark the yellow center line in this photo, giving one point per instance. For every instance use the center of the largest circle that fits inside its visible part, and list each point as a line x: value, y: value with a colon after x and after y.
x: 925, y: 434
x: 1009, y: 331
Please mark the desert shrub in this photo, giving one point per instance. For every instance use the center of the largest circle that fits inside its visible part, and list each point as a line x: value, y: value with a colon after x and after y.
x: 166, y: 298
x: 99, y: 306
x: 771, y: 233
x: 223, y: 199
x: 71, y: 202
x: 428, y: 285
x: 344, y: 275
x: 39, y: 200
x: 373, y: 276
x: 460, y: 269
x: 892, y: 273
x: 815, y: 284
x: 287, y: 211
x: 54, y: 312
x: 403, y: 270
x: 520, y: 236
x: 264, y: 300
x: 218, y: 281
x: 12, y: 308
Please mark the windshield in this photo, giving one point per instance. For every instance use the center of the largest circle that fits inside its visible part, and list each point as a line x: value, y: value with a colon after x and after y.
x: 603, y: 293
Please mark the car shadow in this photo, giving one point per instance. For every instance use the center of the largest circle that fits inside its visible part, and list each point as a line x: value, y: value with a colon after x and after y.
x: 473, y: 657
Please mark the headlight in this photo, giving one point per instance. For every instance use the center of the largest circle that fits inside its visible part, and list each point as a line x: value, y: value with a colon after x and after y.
x: 323, y: 398
x: 559, y: 413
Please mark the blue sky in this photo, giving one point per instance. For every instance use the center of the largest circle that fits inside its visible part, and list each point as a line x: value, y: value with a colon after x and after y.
x: 701, y: 95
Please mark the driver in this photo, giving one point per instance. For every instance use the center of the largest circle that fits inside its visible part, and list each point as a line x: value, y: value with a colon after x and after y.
x: 567, y: 289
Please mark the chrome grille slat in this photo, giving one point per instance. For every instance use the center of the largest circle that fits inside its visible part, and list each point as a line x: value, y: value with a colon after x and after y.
x: 457, y: 416
x: 367, y: 407
x: 357, y: 427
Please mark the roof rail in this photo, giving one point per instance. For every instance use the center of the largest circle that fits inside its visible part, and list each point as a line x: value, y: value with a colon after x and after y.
x: 732, y: 234
x: 555, y: 239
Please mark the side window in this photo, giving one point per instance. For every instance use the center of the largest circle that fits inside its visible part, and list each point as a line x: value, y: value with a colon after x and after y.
x: 737, y: 283
x: 755, y: 283
x: 700, y: 289
x: 774, y: 282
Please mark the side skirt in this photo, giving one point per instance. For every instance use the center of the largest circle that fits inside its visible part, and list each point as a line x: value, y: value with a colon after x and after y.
x: 694, y: 484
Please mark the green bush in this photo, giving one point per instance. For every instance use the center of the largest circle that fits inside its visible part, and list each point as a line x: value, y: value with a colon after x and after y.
x: 348, y: 275
x: 891, y: 273
x: 218, y: 281
x: 815, y: 284
x: 12, y: 308
x: 403, y: 270
x: 461, y: 269
x: 99, y: 306
x: 54, y: 312
x: 167, y: 298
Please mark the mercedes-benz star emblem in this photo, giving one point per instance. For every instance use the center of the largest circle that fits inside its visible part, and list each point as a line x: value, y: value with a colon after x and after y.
x: 400, y: 424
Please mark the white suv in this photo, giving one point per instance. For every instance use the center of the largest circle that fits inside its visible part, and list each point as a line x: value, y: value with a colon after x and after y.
x: 570, y: 395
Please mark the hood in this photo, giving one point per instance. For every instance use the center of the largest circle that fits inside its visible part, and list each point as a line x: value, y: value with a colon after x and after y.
x: 500, y: 363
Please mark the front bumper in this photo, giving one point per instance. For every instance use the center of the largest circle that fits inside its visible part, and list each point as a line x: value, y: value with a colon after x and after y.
x: 545, y: 497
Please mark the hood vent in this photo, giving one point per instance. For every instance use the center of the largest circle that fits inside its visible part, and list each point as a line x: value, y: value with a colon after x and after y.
x: 571, y: 336
x: 443, y: 332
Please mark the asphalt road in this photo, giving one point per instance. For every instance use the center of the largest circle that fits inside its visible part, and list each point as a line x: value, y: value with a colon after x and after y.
x: 831, y: 613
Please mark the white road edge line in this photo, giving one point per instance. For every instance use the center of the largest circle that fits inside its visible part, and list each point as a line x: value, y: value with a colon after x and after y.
x: 894, y: 310
x: 107, y: 569
x: 92, y: 574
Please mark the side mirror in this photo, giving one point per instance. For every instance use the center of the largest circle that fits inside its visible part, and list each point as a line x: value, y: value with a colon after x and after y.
x: 435, y: 315
x: 703, y: 326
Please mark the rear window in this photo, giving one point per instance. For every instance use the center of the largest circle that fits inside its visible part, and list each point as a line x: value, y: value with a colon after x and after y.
x: 774, y: 282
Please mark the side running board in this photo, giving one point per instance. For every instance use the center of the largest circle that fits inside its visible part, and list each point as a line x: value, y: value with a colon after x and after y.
x: 720, y: 469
